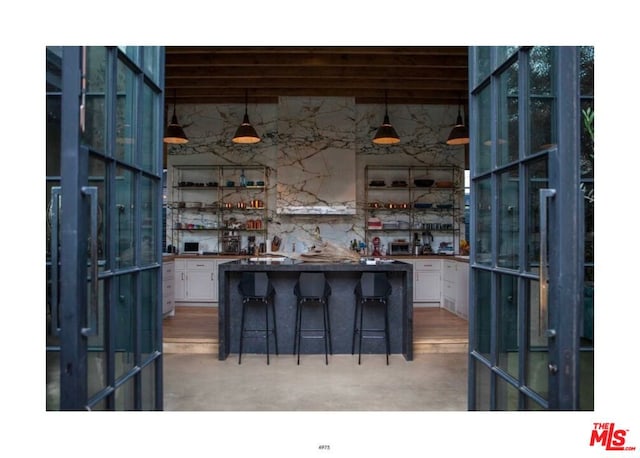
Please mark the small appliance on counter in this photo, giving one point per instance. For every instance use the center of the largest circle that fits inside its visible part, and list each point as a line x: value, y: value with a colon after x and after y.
x: 446, y: 249
x: 399, y: 247
x: 191, y: 248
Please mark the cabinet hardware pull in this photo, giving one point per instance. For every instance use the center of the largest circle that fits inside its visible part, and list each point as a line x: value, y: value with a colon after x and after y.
x: 92, y: 328
x: 545, y: 194
x: 55, y: 207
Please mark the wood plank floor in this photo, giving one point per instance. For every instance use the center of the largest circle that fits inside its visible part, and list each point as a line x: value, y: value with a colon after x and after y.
x: 195, y: 330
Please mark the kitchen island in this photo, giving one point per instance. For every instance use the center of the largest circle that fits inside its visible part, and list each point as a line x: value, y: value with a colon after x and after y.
x: 342, y: 277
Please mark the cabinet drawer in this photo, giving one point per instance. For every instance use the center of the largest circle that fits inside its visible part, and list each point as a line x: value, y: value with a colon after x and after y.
x: 180, y: 264
x: 427, y: 265
x: 448, y: 290
x: 201, y: 265
x: 449, y: 272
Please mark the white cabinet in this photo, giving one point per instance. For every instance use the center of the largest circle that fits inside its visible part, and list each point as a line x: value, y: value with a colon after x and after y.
x: 462, y: 299
x: 179, y: 287
x: 195, y: 280
x: 168, y: 286
x: 426, y: 284
x: 449, y: 285
x: 441, y: 283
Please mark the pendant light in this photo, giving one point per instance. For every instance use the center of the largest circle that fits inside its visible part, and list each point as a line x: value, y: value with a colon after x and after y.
x: 460, y: 133
x: 174, y: 133
x: 386, y: 134
x: 246, y: 133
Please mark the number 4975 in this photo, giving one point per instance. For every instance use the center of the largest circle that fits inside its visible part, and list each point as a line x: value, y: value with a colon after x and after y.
x: 324, y: 447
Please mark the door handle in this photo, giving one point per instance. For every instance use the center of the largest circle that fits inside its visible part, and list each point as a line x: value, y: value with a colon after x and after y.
x: 545, y: 194
x: 54, y: 206
x: 92, y: 318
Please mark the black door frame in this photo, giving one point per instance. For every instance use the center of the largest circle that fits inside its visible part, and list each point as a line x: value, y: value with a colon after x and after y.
x: 566, y: 244
x: 75, y: 312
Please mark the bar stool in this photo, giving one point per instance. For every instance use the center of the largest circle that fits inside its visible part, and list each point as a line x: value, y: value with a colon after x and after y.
x: 256, y: 289
x: 312, y: 289
x: 372, y: 291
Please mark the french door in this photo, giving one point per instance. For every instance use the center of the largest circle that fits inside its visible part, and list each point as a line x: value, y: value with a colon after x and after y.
x: 104, y: 195
x: 531, y: 301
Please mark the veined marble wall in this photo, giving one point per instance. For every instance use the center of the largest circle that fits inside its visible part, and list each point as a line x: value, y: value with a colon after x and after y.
x: 341, y: 127
x: 316, y: 156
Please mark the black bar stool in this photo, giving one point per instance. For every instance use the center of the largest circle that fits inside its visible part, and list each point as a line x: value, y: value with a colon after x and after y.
x: 312, y: 289
x: 256, y: 289
x: 372, y: 291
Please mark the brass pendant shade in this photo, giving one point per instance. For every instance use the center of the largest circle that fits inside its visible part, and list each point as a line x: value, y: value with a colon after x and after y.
x: 174, y: 134
x: 246, y: 134
x: 459, y: 135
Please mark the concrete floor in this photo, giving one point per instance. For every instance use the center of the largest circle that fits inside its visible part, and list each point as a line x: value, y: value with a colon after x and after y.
x: 200, y: 382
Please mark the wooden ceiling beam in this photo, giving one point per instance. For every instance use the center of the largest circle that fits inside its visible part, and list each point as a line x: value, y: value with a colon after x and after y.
x: 409, y: 75
x: 315, y: 60
x: 257, y: 84
x: 300, y: 71
x: 418, y: 50
x: 360, y: 95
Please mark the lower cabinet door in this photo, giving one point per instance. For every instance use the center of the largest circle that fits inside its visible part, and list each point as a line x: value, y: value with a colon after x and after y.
x: 180, y: 286
x: 427, y: 286
x: 200, y: 286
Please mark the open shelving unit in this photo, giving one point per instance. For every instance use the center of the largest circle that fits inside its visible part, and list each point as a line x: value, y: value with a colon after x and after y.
x: 405, y: 204
x: 221, y: 205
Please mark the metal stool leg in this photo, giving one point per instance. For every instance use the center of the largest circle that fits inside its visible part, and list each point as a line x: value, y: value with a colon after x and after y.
x: 275, y: 326
x: 266, y: 325
x: 241, y: 332
x: 299, y: 329
x: 325, y: 318
x: 328, y: 325
x: 386, y: 329
x: 360, y: 333
x: 355, y: 326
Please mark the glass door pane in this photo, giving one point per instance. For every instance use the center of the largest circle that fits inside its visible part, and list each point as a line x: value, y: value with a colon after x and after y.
x: 537, y: 356
x: 508, y: 335
x: 124, y: 223
x: 125, y: 113
x: 482, y: 230
x: 483, y: 138
x: 537, y: 178
x: 542, y: 122
x: 95, y: 133
x: 508, y: 218
x: 507, y: 141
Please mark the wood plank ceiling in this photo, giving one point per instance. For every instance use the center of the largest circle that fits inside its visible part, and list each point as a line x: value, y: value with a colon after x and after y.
x: 408, y: 75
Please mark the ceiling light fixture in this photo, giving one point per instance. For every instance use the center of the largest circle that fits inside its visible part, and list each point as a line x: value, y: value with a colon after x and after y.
x: 174, y: 133
x: 246, y: 133
x: 460, y: 133
x: 386, y: 134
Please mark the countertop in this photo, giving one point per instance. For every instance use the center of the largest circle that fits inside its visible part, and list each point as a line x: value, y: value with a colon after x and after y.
x: 169, y: 256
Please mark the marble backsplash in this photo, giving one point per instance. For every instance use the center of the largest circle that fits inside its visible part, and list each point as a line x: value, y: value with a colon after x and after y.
x: 316, y: 156
x: 290, y: 133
